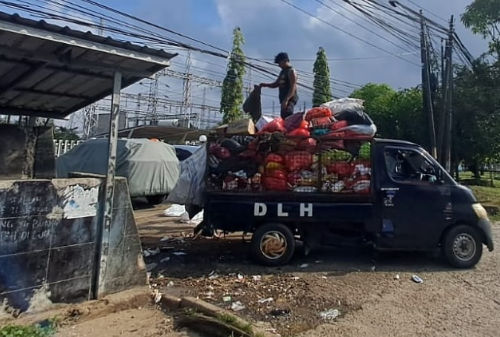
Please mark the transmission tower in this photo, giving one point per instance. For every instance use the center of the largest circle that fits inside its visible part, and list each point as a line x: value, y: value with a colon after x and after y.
x: 187, y: 88
x: 153, y: 100
x: 89, y: 120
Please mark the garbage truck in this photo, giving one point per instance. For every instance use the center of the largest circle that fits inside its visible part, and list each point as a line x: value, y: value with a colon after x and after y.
x: 317, y: 182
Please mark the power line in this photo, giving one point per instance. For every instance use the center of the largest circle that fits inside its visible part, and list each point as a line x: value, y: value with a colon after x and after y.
x: 346, y: 32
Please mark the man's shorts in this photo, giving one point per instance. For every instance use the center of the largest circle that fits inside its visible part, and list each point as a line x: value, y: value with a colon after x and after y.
x: 288, y: 111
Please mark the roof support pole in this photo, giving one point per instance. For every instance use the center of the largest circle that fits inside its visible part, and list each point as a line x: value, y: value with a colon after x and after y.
x: 107, y: 212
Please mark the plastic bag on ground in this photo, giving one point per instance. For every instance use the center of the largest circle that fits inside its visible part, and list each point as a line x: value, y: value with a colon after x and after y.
x: 174, y: 210
x: 191, y: 184
x: 337, y: 105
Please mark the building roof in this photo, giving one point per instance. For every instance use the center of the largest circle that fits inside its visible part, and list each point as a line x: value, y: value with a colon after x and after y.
x: 52, y: 71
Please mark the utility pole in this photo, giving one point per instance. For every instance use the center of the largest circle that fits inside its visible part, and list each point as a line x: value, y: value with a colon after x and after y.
x: 426, y: 85
x: 445, y: 119
x: 449, y: 120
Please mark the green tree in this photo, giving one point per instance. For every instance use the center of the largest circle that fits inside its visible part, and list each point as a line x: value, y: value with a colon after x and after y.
x: 377, y: 98
x: 483, y: 17
x: 232, y: 86
x: 62, y: 133
x: 476, y: 107
x: 322, y: 92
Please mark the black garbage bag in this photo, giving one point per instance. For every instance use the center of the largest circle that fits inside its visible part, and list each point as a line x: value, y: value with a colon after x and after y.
x: 252, y: 105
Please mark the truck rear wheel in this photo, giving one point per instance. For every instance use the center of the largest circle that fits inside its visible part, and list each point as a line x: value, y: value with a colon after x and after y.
x: 273, y: 244
x: 463, y: 246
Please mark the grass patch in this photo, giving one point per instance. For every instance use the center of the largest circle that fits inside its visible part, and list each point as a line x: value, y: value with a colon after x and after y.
x: 485, y: 195
x: 231, y: 320
x: 44, y: 329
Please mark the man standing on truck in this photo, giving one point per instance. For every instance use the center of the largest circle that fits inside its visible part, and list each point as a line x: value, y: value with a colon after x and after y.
x: 287, y: 83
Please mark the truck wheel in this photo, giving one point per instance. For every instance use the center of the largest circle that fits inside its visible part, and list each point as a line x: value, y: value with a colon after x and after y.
x: 463, y: 246
x: 273, y: 244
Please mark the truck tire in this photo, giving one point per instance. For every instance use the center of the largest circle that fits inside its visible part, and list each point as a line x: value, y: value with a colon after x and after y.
x: 273, y: 244
x: 462, y: 246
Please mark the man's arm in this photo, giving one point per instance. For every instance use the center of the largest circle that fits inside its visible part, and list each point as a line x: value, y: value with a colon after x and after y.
x: 275, y: 84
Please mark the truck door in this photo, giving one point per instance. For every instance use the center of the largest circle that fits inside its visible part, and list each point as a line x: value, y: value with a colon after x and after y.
x: 414, y: 203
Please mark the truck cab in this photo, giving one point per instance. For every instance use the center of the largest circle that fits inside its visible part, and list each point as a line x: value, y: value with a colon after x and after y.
x: 413, y: 204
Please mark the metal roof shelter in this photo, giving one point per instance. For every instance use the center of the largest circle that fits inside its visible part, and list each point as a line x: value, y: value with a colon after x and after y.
x: 52, y: 71
x: 169, y: 133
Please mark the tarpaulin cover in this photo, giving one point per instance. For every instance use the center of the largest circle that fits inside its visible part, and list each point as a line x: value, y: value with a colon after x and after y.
x: 151, y: 168
x: 191, y: 184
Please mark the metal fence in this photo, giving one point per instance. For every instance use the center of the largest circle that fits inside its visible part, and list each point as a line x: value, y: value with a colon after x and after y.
x: 62, y: 146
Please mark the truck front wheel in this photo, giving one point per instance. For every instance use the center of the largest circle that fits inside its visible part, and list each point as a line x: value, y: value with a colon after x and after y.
x: 463, y: 246
x: 273, y: 244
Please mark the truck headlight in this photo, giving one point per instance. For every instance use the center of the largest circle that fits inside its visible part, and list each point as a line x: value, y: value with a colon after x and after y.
x: 480, y: 211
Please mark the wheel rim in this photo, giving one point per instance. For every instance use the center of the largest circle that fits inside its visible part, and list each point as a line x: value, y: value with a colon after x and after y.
x: 273, y: 245
x: 464, y: 247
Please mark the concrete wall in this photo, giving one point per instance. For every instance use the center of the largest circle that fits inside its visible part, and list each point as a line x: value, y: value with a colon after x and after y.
x: 17, y: 145
x: 50, y: 242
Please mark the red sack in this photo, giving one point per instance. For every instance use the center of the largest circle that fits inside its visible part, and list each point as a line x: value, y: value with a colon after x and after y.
x: 342, y: 169
x: 318, y: 112
x: 304, y: 125
x: 339, y: 125
x: 308, y: 144
x: 275, y: 184
x: 276, y: 125
x: 279, y: 174
x: 219, y: 151
x: 298, y: 160
x: 299, y: 133
x: 294, y: 178
x: 321, y: 122
x: 248, y: 153
x: 275, y: 158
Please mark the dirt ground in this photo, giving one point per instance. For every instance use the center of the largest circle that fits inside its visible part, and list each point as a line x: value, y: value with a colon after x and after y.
x: 373, y: 294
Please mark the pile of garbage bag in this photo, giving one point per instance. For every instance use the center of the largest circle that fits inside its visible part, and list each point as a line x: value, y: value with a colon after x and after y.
x: 326, y: 149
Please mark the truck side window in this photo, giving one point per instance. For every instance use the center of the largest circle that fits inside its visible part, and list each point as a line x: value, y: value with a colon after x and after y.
x: 405, y: 165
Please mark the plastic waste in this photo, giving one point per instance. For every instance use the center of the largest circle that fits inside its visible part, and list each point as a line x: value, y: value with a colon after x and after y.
x: 174, y: 210
x: 329, y: 314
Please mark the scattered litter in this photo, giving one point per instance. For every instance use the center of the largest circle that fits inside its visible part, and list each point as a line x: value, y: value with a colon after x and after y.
x: 324, y: 277
x: 151, y: 252
x: 165, y: 238
x: 304, y: 265
x: 329, y: 314
x: 266, y: 300
x: 184, y: 217
x: 179, y: 253
x: 226, y: 299
x: 174, y: 210
x: 279, y: 312
x: 417, y: 279
x: 160, y: 277
x: 165, y: 259
x: 209, y: 294
x: 170, y: 284
x: 151, y: 266
x: 197, y: 218
x: 396, y: 277
x: 256, y: 278
x: 157, y: 296
x: 213, y: 275
x: 295, y: 278
x: 240, y: 277
x: 373, y: 268
x: 237, y: 306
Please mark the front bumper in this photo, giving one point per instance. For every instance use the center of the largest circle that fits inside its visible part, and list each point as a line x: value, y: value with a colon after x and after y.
x: 485, y: 226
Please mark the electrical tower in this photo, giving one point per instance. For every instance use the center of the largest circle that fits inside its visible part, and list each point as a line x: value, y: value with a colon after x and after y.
x: 153, y: 100
x: 89, y: 120
x: 186, y: 102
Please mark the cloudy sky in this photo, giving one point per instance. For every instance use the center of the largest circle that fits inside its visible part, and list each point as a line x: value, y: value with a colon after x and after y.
x: 270, y: 26
x: 359, y: 51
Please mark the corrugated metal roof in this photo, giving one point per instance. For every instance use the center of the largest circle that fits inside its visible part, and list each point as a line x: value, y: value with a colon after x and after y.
x: 52, y: 71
